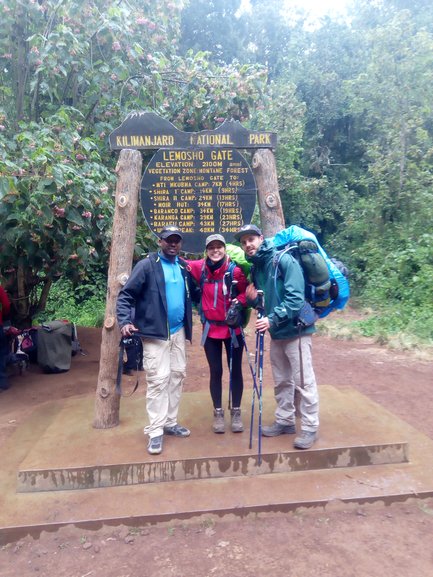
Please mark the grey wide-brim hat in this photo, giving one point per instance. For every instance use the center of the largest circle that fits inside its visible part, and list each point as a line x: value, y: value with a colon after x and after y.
x: 213, y: 237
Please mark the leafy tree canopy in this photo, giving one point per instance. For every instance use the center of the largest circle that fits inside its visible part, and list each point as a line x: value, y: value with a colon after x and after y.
x: 70, y: 72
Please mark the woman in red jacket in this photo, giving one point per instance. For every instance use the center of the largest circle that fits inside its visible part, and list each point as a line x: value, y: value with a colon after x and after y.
x: 214, y: 275
x: 4, y: 313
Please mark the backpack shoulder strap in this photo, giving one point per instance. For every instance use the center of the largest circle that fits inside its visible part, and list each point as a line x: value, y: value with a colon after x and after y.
x: 231, y: 268
x: 202, y: 276
x: 277, y: 262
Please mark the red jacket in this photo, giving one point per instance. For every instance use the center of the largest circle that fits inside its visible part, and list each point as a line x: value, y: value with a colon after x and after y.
x: 214, y: 283
x: 5, y: 305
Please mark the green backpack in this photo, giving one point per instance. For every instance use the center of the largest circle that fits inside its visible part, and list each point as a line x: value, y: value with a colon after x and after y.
x: 314, y: 268
x: 237, y: 256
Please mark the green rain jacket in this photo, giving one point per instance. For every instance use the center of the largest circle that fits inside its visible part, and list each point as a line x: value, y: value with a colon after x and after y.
x: 282, y: 305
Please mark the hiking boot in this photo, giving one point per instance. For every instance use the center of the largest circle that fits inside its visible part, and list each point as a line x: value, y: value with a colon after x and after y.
x: 154, y: 447
x: 177, y: 431
x: 218, y: 425
x: 237, y: 426
x: 305, y: 440
x: 278, y: 429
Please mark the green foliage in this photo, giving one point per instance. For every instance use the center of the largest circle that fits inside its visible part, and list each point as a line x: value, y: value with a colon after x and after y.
x: 401, y: 274
x: 55, y: 207
x: 397, y: 283
x: 213, y: 25
x: 83, y: 305
x: 350, y: 102
x: 389, y: 323
x: 79, y: 69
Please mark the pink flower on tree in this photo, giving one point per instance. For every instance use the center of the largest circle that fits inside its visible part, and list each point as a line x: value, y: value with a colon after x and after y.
x: 59, y: 212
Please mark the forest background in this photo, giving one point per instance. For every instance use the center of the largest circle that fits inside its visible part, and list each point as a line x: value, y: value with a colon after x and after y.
x: 349, y: 96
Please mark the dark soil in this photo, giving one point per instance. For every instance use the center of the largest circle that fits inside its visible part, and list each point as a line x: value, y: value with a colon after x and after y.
x: 338, y: 541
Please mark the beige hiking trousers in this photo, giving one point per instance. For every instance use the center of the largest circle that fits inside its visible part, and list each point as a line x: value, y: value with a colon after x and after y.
x: 286, y: 370
x: 165, y: 365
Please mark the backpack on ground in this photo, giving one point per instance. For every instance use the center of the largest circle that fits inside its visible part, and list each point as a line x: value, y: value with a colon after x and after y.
x: 55, y: 346
x: 29, y: 343
x: 326, y: 285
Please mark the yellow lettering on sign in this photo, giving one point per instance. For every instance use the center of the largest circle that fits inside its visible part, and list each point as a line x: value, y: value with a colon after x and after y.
x: 221, y: 154
x: 211, y: 139
x: 142, y: 140
x: 260, y: 138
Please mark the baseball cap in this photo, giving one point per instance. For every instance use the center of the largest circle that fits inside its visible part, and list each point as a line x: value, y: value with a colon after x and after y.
x: 213, y: 237
x: 248, y: 229
x: 170, y: 230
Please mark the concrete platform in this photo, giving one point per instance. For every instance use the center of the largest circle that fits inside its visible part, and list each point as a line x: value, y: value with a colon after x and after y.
x: 95, y: 459
x: 57, y: 469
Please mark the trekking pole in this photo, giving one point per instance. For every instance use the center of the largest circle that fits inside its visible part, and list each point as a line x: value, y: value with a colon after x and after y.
x: 258, y: 370
x: 260, y: 313
x: 255, y: 388
x: 232, y: 335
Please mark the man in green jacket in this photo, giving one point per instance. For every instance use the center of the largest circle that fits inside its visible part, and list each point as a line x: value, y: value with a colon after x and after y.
x: 290, y: 352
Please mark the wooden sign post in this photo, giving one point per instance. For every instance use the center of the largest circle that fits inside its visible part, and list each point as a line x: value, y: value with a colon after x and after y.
x: 128, y: 170
x: 268, y: 196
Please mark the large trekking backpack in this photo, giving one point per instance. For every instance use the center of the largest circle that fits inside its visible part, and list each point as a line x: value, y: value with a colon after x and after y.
x: 326, y: 287
x: 55, y: 346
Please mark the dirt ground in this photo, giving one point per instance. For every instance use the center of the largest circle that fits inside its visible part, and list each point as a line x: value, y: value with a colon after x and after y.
x: 338, y: 540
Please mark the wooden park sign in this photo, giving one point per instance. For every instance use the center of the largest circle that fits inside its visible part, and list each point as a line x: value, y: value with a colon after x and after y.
x: 198, y: 181
x: 148, y: 131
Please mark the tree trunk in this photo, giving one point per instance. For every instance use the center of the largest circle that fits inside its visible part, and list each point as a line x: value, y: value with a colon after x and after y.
x: 22, y: 303
x: 270, y: 208
x: 271, y: 211
x: 128, y: 169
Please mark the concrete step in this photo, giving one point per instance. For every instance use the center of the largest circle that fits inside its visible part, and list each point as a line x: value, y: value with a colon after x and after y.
x: 212, y: 467
x: 362, y: 455
x: 31, y: 513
